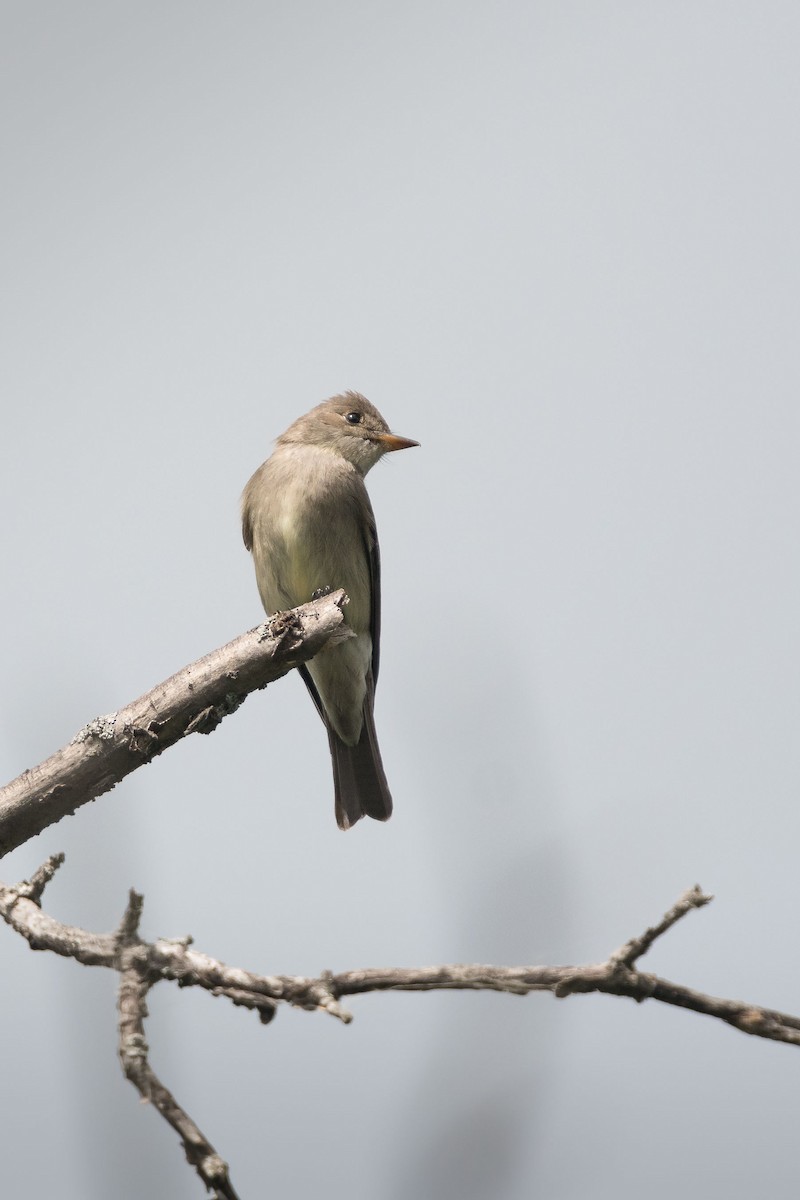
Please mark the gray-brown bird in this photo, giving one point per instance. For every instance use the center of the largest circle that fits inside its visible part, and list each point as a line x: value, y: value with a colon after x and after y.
x: 307, y: 519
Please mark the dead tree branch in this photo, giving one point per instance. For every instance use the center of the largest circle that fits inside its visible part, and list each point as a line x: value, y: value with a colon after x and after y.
x: 143, y: 964
x: 194, y: 700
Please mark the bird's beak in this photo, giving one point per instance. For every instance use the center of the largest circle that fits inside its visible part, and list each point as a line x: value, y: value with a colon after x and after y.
x: 390, y: 441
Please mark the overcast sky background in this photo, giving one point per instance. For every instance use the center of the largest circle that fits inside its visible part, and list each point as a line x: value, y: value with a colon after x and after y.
x: 557, y: 243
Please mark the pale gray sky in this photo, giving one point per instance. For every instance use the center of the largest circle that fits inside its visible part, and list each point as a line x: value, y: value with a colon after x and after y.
x: 558, y: 244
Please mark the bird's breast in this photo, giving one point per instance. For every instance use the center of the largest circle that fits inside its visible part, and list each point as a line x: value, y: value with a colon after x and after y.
x: 308, y: 536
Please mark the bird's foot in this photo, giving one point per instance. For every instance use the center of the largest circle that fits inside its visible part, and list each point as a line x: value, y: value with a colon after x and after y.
x: 319, y: 592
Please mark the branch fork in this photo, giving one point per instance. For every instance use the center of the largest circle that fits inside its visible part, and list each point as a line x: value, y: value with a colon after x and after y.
x: 142, y: 964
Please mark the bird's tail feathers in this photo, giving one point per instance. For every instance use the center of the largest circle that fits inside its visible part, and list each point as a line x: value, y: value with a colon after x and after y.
x: 358, y: 776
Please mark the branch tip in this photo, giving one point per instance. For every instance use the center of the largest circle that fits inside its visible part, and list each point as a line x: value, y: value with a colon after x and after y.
x: 33, y: 888
x: 129, y: 925
x: 693, y: 897
x: 332, y: 1006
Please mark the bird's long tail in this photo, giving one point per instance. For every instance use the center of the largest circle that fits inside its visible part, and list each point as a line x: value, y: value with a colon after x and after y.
x: 359, y: 780
x: 358, y: 777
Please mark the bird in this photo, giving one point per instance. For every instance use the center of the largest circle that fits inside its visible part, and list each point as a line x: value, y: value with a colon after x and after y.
x: 309, y: 524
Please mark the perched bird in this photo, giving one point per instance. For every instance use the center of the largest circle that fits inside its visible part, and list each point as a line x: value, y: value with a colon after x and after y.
x: 307, y: 519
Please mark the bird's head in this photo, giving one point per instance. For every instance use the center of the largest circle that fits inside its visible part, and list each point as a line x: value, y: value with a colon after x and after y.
x: 350, y: 426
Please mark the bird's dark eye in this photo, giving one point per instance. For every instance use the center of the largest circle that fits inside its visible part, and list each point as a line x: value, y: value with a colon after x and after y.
x: 353, y: 418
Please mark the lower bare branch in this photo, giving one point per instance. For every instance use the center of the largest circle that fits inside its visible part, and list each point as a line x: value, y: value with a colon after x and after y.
x: 176, y: 960
x: 142, y: 964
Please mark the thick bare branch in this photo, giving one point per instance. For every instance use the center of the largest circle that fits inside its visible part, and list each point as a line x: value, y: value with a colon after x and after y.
x: 194, y: 700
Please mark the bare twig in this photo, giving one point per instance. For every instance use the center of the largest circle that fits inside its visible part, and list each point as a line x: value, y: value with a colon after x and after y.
x: 693, y: 897
x: 194, y: 700
x: 142, y: 964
